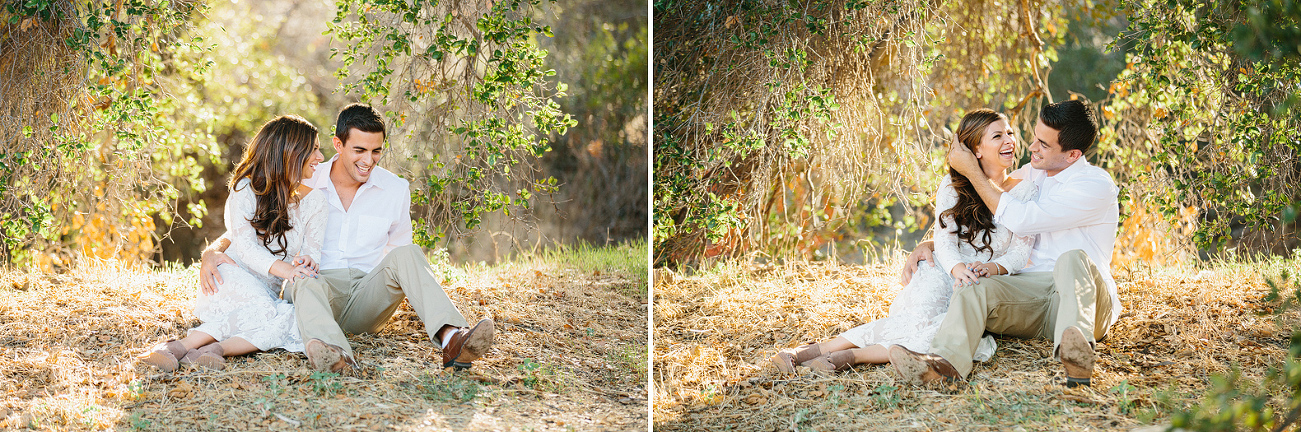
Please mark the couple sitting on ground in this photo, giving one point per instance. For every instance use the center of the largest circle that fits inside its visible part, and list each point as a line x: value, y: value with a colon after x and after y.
x: 1025, y: 254
x: 335, y: 243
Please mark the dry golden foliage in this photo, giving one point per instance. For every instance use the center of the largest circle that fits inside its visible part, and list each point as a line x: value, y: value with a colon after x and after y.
x: 714, y: 333
x: 566, y: 356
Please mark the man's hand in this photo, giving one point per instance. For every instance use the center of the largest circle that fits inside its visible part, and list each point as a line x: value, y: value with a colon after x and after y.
x: 962, y: 159
x: 921, y: 253
x: 208, y: 275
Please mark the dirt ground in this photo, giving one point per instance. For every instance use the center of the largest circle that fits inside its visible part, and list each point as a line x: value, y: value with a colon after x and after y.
x: 570, y: 354
x: 714, y: 333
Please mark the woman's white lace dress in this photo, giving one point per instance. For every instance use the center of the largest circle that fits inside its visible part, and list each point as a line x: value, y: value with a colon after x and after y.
x: 919, y: 307
x: 247, y: 304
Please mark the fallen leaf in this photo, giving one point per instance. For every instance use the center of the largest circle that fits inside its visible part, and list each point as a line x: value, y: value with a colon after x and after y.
x: 181, y: 391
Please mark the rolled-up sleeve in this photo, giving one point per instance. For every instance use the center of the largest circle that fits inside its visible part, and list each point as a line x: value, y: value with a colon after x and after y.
x: 1081, y: 202
x: 400, y: 230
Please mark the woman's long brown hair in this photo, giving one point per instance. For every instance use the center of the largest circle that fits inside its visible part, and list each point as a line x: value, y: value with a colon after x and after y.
x: 273, y: 162
x: 971, y: 215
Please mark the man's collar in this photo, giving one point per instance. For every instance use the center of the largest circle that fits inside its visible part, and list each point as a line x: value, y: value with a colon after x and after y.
x: 1075, y: 169
x: 321, y: 179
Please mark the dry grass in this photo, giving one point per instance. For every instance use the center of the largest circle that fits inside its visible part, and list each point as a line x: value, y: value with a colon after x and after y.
x: 570, y: 354
x: 715, y: 331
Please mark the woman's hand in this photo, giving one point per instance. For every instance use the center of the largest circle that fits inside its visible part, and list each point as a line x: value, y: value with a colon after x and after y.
x: 302, y: 271
x: 964, y: 274
x: 304, y: 260
x: 292, y: 273
x: 990, y: 269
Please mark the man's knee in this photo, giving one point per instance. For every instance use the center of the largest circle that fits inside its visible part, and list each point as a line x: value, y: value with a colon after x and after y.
x: 409, y: 250
x: 971, y: 291
x: 407, y: 255
x: 1075, y: 256
x: 306, y: 286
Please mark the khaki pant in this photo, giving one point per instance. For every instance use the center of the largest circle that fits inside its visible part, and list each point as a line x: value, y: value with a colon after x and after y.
x: 353, y: 301
x: 1029, y: 305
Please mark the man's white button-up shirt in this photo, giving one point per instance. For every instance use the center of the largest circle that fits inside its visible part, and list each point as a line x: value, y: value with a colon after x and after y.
x: 378, y: 220
x: 1075, y: 209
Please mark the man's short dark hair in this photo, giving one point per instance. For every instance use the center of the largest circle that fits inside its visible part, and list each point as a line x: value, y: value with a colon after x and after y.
x: 359, y: 116
x: 1074, y: 123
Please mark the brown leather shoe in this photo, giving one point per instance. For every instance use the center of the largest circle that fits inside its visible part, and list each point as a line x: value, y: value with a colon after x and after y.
x: 325, y: 357
x: 787, y: 359
x: 1077, y: 357
x: 468, y: 344
x: 165, y: 356
x: 922, y: 369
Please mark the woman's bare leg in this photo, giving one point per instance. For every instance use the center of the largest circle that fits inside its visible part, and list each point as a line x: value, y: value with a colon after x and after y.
x: 875, y: 354
x: 836, y: 344
x: 230, y: 347
x: 237, y: 346
x: 197, y: 339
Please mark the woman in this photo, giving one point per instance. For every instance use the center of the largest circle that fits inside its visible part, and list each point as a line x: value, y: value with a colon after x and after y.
x: 968, y: 245
x: 273, y: 220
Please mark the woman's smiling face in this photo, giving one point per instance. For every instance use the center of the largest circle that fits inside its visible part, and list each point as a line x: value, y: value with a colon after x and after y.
x: 309, y: 169
x: 997, y: 145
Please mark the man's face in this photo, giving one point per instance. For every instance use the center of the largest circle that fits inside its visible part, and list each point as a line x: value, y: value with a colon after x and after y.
x: 1046, y: 153
x: 359, y: 156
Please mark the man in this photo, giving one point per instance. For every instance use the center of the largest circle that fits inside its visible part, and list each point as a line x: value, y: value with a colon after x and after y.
x: 368, y: 263
x: 1059, y: 295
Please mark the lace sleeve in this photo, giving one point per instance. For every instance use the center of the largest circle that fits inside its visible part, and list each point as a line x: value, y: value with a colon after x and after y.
x: 1017, y: 255
x: 315, y: 216
x: 240, y: 208
x: 946, y: 239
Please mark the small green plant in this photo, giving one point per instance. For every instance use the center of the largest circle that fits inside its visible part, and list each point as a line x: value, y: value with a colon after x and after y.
x: 138, y: 422
x: 709, y: 394
x: 274, y: 384
x: 834, y: 398
x: 325, y: 383
x: 34, y: 422
x: 88, y: 415
x: 444, y: 271
x: 631, y: 362
x: 1124, y: 401
x: 540, y: 376
x: 1163, y: 402
x: 136, y: 389
x: 449, y: 388
x: 800, y: 419
x: 885, y: 397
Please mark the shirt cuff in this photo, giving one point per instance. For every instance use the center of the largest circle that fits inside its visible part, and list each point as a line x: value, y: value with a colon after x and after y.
x: 1003, y: 199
